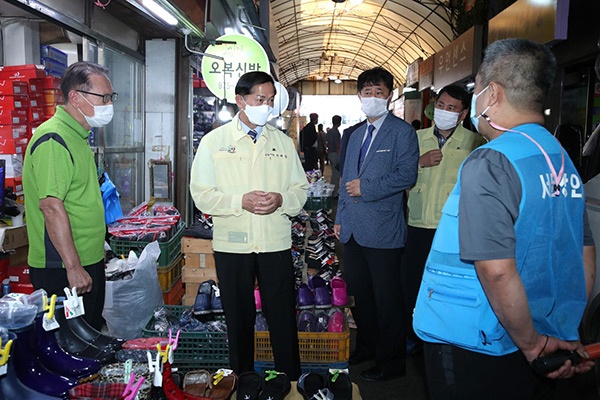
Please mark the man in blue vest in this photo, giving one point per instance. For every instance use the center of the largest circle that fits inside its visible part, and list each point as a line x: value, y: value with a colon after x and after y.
x: 510, y: 267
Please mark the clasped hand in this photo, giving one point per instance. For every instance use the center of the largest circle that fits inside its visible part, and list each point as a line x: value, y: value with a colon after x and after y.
x: 261, y: 203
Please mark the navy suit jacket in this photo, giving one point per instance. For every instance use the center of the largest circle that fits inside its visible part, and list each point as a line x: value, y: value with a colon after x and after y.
x: 376, y: 218
x: 344, y: 143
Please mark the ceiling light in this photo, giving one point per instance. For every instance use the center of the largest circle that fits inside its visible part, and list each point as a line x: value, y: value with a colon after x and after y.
x: 332, y: 77
x: 338, y: 81
x: 409, y: 89
x: 159, y: 12
x: 356, y: 2
x: 224, y: 113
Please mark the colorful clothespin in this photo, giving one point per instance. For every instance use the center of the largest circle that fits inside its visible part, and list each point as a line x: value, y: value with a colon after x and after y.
x: 271, y: 375
x: 127, y: 370
x: 220, y: 374
x: 73, y: 304
x: 5, y: 352
x: 131, y: 390
x: 155, y: 366
x: 164, y: 354
x: 173, y: 342
x: 48, y: 321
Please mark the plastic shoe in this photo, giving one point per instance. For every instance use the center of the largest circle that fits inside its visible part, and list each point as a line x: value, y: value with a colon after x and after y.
x: 249, y: 385
x: 56, y: 359
x: 340, y: 385
x: 275, y: 386
x: 315, y: 281
x: 215, y: 299
x: 31, y: 372
x: 307, y: 322
x: 196, y: 382
x: 88, y: 333
x: 305, y: 297
x: 322, y: 321
x: 260, y: 323
x: 10, y: 385
x: 221, y: 387
x: 339, y: 293
x: 170, y: 390
x: 336, y: 320
x: 322, y: 297
x: 202, y: 303
x: 73, y: 344
x: 309, y: 385
x: 257, y: 300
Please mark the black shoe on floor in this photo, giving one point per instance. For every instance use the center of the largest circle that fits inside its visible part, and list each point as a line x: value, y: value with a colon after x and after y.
x: 359, y: 357
x: 380, y: 374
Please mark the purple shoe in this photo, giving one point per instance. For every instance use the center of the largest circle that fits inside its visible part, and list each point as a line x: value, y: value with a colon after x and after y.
x: 322, y: 321
x: 322, y: 297
x: 306, y: 298
x: 315, y: 281
x: 307, y: 322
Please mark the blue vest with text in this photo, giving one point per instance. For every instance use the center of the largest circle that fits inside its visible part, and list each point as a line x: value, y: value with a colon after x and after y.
x: 452, y: 306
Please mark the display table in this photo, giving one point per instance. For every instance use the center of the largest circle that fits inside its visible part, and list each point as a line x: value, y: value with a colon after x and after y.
x: 294, y: 395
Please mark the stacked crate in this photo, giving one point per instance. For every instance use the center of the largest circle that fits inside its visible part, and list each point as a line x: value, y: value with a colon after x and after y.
x: 50, y: 95
x: 199, y: 266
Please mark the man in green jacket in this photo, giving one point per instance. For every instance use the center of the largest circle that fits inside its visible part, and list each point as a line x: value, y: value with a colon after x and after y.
x: 442, y: 148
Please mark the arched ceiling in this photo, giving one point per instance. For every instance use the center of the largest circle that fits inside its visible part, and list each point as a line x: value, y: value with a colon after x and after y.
x: 322, y: 38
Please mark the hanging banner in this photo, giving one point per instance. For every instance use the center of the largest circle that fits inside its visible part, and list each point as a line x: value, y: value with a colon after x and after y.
x: 242, y: 55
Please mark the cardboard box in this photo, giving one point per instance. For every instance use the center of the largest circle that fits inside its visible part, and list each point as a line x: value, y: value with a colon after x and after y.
x: 54, y: 54
x: 9, y: 87
x: 36, y: 99
x: 13, y: 237
x: 53, y: 96
x: 199, y: 260
x: 16, y: 183
x: 13, y: 131
x: 36, y: 114
x: 198, y: 275
x: 196, y: 245
x: 14, y: 102
x: 22, y: 72
x: 18, y: 256
x: 13, y: 117
x: 13, y: 146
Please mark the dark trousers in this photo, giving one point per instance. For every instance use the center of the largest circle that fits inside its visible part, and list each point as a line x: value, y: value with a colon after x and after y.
x: 310, y: 158
x: 274, y: 271
x: 457, y: 374
x: 418, y: 244
x: 373, y: 278
x: 54, y: 281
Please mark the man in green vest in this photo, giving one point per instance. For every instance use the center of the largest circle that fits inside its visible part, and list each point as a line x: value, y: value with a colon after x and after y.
x: 442, y: 148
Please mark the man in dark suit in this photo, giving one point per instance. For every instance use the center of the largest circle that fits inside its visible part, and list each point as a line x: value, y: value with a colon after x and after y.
x: 308, y: 142
x: 380, y: 163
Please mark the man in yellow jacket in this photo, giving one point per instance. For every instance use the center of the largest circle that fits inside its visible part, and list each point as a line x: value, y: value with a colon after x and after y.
x: 248, y: 176
x: 442, y: 149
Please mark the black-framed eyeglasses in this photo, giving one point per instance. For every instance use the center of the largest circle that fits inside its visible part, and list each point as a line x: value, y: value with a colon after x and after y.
x: 105, y: 97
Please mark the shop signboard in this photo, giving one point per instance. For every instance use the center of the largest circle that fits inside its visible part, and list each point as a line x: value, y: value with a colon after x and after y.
x: 412, y: 72
x: 540, y: 21
x: 459, y: 60
x: 426, y: 74
x: 234, y: 55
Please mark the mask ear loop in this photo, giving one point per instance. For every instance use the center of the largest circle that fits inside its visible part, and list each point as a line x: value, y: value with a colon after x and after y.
x: 557, y: 177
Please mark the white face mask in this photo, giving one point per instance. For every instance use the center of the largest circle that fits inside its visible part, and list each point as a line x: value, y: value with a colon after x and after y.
x: 102, y: 114
x: 445, y: 120
x: 474, y: 116
x: 258, y: 115
x: 373, y: 107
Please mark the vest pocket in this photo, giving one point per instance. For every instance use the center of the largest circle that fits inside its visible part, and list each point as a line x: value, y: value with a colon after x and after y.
x: 452, y: 308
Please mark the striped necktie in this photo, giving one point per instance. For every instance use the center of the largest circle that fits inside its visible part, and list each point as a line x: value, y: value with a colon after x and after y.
x: 365, y: 145
x: 253, y: 134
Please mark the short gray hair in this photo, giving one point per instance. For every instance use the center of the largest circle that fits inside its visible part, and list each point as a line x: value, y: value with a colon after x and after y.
x: 77, y: 77
x: 524, y: 68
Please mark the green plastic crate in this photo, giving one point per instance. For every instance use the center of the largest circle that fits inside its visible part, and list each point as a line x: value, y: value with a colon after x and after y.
x: 169, y: 250
x: 195, y: 350
x: 318, y: 203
